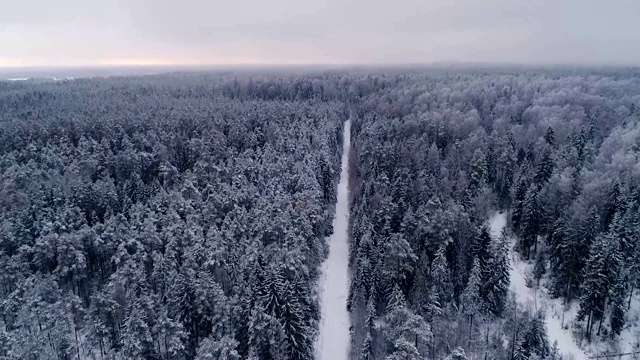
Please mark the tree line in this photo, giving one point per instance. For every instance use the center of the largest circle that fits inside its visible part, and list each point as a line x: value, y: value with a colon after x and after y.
x: 163, y: 218
x: 183, y: 216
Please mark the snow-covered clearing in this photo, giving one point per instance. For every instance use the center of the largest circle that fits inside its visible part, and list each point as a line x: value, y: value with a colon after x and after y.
x: 538, y: 299
x: 334, y: 338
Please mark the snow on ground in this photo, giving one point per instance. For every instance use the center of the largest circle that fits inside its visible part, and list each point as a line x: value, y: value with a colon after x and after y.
x: 538, y: 299
x: 630, y: 336
x: 334, y: 338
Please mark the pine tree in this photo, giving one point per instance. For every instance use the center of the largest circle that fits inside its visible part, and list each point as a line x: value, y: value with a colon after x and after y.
x: 505, y: 169
x: 169, y: 334
x: 539, y: 267
x: 473, y: 303
x: 497, y: 286
x: 457, y: 354
x: 601, y: 276
x: 137, y: 340
x: 611, y: 205
x: 520, y: 353
x: 534, y: 340
x: 396, y: 300
x: 618, y: 307
x: 566, y: 258
x: 550, y: 136
x: 433, y: 160
x: 267, y: 339
x: 441, y: 278
x: 626, y: 227
x: 518, y: 204
x: 617, y: 277
x: 293, y: 320
x: 371, y: 315
x: 224, y: 348
x: 479, y: 173
x: 482, y: 246
x: 402, y: 325
x: 399, y: 258
x: 434, y: 307
x: 531, y: 221
x: 545, y: 167
x: 366, y: 353
x: 404, y: 350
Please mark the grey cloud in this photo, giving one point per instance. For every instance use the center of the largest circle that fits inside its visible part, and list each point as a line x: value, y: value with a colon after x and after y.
x: 338, y: 31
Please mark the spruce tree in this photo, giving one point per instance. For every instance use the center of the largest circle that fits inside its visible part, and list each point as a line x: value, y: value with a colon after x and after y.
x: 618, y: 307
x: 441, y: 278
x: 600, y: 280
x: 497, y: 286
x: 545, y: 167
x: 137, y: 341
x: 550, y: 136
x: 224, y: 348
x: 531, y: 221
x: 366, y: 353
x: 534, y: 339
x: 404, y: 349
x: 472, y: 300
x: 518, y: 204
x: 399, y: 259
x: 540, y: 266
x: 457, y: 354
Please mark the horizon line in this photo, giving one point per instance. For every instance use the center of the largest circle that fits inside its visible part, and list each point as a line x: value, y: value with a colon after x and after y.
x: 332, y: 65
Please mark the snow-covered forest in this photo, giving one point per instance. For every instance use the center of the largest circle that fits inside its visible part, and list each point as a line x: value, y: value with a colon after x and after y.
x: 434, y: 155
x: 493, y: 214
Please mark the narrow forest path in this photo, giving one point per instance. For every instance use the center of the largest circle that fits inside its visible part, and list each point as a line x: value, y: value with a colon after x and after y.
x: 334, y: 338
x: 528, y: 297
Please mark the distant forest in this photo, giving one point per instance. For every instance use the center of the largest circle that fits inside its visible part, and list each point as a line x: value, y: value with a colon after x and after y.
x: 183, y: 216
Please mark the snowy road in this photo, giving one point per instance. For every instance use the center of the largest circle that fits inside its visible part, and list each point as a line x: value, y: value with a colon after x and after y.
x: 333, y: 341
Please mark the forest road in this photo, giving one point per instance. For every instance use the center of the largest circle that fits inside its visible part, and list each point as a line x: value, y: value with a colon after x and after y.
x: 334, y: 337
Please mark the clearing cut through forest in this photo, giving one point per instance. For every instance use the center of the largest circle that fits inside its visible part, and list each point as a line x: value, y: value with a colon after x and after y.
x: 334, y: 338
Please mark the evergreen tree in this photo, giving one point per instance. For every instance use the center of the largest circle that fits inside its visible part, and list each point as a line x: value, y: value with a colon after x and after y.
x: 366, y: 353
x: 399, y: 258
x: 534, y: 340
x: 224, y: 348
x: 497, y: 286
x: 545, y: 167
x: 472, y: 300
x: 600, y: 279
x: 482, y: 246
x: 170, y: 334
x: 441, y: 278
x: 136, y: 337
x: 479, y: 173
x: 457, y: 354
x: 403, y: 326
x: 611, y: 205
x: 531, y: 221
x: 404, y: 350
x: 618, y: 306
x: 540, y: 266
x: 518, y: 204
x: 626, y: 227
x: 550, y: 136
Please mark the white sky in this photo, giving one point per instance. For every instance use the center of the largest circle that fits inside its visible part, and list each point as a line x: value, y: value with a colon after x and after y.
x: 100, y: 32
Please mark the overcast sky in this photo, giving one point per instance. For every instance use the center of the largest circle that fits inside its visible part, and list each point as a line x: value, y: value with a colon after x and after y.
x: 99, y: 32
